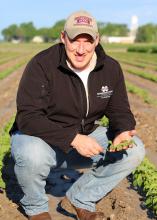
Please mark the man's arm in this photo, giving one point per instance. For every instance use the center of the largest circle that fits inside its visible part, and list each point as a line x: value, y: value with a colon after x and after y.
x: 32, y: 102
x: 118, y: 110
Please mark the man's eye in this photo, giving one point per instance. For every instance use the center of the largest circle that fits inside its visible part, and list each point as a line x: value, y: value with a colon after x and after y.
x: 90, y: 42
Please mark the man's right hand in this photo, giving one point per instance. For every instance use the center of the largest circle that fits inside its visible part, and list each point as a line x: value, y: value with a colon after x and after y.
x: 86, y: 146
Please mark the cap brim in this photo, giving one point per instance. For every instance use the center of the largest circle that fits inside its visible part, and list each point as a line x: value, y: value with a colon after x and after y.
x: 72, y: 33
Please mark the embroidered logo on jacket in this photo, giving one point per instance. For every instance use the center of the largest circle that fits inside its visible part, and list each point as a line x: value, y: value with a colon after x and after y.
x: 105, y: 92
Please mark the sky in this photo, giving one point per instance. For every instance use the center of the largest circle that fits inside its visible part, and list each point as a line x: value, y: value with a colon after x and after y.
x: 44, y: 13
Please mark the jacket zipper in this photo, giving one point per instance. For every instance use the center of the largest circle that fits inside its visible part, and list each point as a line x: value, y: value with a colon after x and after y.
x: 87, y: 103
x: 83, y: 125
x: 84, y: 113
x: 82, y: 105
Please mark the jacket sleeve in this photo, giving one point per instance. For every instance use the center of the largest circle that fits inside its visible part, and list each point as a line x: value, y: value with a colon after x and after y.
x: 32, y: 106
x: 118, y: 110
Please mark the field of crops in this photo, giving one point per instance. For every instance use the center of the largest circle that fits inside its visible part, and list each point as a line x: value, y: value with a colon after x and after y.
x: 140, y: 71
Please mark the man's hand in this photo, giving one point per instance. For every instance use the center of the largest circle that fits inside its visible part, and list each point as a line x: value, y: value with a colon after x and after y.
x: 86, y: 146
x: 124, y: 136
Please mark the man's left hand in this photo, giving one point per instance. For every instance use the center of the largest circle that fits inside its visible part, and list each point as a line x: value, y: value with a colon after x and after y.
x: 124, y: 136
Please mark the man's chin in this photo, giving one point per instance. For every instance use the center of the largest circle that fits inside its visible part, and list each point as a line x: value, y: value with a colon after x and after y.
x: 80, y: 66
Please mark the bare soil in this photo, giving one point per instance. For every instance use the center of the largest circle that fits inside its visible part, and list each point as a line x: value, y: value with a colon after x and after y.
x: 123, y: 203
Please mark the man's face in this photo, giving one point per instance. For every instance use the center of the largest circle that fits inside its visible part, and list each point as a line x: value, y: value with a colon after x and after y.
x: 79, y: 50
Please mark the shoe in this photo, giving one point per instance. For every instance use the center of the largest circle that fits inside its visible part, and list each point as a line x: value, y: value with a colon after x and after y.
x: 82, y: 214
x: 42, y: 216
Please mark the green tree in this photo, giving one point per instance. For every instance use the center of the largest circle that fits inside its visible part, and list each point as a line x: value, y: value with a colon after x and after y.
x: 44, y: 32
x: 147, y: 33
x: 56, y: 29
x: 111, y: 29
x: 10, y: 32
x: 27, y: 31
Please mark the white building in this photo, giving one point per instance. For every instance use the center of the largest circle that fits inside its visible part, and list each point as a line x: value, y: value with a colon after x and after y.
x: 124, y: 39
x: 37, y: 39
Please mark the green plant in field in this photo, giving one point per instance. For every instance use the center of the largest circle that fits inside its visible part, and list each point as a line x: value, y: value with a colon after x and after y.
x: 120, y: 146
x: 4, y: 147
x: 104, y: 121
x: 145, y: 177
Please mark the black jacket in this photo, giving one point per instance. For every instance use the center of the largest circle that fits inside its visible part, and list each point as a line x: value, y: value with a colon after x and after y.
x: 51, y: 99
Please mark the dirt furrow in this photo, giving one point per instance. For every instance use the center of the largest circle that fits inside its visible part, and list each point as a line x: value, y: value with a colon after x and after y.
x: 148, y: 85
x: 8, y: 91
x: 12, y: 62
x: 146, y: 125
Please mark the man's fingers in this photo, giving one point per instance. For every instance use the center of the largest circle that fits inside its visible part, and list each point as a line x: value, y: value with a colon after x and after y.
x: 132, y: 133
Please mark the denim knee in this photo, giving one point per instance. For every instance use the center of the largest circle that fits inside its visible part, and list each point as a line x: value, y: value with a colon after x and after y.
x: 138, y: 151
x: 32, y: 152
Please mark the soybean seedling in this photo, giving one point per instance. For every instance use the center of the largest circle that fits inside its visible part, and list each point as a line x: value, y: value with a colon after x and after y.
x: 121, y: 146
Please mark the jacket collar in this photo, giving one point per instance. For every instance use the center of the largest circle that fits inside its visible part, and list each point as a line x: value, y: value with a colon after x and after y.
x: 63, y: 57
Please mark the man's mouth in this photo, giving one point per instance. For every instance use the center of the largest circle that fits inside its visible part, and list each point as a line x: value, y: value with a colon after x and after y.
x: 79, y: 58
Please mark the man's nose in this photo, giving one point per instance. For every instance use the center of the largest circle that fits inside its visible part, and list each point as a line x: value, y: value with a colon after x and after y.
x: 80, y: 48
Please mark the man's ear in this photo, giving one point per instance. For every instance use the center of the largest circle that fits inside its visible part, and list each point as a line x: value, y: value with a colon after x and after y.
x: 97, y: 40
x: 62, y: 37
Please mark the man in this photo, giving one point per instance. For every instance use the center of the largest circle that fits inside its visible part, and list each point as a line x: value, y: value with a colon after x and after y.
x: 64, y: 91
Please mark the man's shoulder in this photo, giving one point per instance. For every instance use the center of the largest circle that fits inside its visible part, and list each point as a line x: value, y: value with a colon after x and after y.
x: 48, y: 53
x: 47, y: 59
x: 112, y: 60
x: 104, y: 58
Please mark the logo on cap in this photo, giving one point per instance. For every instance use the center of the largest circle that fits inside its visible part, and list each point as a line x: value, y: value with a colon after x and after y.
x: 83, y: 20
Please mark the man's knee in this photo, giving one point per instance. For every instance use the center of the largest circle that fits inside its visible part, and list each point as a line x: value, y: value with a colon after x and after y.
x: 138, y: 151
x: 32, y: 152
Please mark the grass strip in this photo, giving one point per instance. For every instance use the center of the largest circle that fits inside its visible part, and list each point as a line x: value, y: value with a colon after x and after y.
x: 135, y: 57
x: 142, y: 93
x: 8, y: 58
x: 143, y: 48
x: 132, y: 63
x: 8, y: 71
x: 149, y: 76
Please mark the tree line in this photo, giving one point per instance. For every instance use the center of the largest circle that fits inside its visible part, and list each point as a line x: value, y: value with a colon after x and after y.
x: 26, y: 31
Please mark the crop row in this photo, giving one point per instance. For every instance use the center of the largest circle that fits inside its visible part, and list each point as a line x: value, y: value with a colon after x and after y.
x: 145, y: 179
x: 138, y: 64
x: 8, y: 71
x: 142, y: 49
x: 142, y: 74
x: 4, y: 147
x: 11, y: 69
x: 133, y: 63
x: 9, y: 58
x: 150, y: 58
x: 142, y: 93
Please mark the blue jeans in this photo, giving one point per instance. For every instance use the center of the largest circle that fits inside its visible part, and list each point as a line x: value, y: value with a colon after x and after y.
x: 34, y: 158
